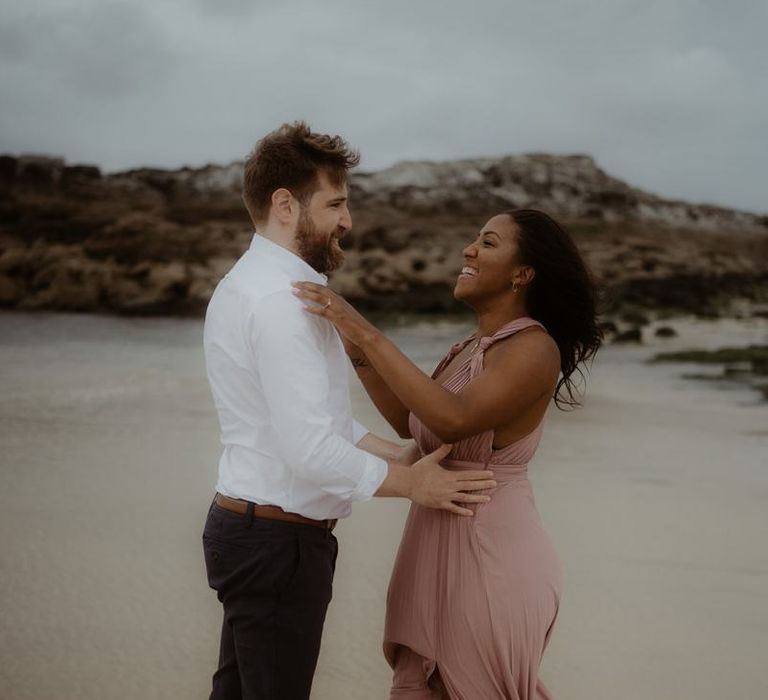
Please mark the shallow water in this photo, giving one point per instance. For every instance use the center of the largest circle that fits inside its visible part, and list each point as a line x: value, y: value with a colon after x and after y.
x: 654, y: 493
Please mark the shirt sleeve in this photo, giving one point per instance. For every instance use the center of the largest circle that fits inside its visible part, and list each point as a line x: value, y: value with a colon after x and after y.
x: 287, y: 344
x: 358, y: 431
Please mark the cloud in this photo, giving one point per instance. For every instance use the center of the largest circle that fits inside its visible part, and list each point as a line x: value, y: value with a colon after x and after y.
x: 103, y: 49
x: 666, y: 95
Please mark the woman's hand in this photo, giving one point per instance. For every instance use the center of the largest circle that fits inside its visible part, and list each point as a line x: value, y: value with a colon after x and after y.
x: 354, y: 328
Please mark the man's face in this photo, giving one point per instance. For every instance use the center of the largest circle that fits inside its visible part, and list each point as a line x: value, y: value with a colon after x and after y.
x: 322, y: 222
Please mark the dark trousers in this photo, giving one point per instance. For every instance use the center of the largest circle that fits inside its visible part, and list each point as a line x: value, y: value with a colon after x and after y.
x: 274, y: 580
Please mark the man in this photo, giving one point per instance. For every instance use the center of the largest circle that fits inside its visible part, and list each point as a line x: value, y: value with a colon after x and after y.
x: 293, y: 460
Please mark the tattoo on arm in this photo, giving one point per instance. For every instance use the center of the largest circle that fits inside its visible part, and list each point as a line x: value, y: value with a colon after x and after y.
x: 358, y: 362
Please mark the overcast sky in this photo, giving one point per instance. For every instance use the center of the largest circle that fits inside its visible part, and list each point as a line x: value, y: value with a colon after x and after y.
x: 670, y: 95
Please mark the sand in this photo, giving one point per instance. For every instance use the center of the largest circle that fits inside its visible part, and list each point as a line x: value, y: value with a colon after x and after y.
x: 654, y: 494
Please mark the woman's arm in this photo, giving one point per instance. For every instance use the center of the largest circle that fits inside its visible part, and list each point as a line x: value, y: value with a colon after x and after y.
x: 517, y: 372
x: 385, y: 400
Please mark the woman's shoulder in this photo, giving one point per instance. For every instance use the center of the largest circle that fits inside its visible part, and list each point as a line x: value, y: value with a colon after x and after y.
x: 532, y: 340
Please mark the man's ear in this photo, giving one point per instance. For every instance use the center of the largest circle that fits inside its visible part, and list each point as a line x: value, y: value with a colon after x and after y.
x: 283, y: 205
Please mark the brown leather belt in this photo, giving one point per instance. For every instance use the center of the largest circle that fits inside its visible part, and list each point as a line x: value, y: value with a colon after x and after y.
x: 270, y: 512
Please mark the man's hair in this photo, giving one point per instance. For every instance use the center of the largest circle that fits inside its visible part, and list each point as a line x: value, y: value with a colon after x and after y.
x: 292, y: 156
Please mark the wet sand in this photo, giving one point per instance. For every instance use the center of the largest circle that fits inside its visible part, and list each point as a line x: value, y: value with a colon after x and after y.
x: 654, y: 494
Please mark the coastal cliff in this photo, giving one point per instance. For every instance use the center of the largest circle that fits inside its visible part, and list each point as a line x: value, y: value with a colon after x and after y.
x: 153, y: 241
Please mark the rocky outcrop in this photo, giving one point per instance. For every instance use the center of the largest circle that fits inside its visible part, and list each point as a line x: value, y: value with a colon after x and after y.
x: 570, y: 187
x: 153, y: 241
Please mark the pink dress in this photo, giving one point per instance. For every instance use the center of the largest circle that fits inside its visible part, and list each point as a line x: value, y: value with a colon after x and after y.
x: 475, y: 597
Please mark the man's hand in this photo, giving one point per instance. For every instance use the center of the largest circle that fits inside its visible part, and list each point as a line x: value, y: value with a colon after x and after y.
x: 435, y: 487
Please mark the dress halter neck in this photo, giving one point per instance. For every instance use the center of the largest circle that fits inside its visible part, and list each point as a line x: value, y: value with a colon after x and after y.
x: 485, y: 342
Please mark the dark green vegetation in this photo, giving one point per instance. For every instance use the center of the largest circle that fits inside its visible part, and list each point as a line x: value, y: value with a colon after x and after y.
x: 748, y: 365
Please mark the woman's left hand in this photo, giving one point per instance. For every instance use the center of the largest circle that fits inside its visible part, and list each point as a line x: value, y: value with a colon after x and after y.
x: 351, y: 324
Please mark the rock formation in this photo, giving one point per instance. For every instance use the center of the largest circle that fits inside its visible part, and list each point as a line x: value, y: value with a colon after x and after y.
x: 153, y: 241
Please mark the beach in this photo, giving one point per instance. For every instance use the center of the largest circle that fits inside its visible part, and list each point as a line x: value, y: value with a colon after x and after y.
x: 654, y: 493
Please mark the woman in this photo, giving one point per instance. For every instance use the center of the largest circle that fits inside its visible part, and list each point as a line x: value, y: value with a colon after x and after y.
x: 472, y: 601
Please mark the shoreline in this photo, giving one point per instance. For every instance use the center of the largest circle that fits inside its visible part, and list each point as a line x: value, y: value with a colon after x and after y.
x: 654, y: 494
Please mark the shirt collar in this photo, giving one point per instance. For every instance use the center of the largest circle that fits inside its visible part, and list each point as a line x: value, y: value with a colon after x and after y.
x: 295, y: 266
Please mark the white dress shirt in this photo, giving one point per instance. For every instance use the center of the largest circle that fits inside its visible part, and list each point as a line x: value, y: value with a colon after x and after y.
x: 278, y: 376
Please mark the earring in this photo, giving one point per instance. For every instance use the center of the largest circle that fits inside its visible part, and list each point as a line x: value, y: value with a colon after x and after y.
x: 514, y: 287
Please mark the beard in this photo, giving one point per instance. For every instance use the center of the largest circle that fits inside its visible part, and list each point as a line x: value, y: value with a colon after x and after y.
x: 319, y: 249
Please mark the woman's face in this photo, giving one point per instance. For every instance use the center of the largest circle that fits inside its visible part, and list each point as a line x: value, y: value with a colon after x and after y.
x: 489, y: 261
